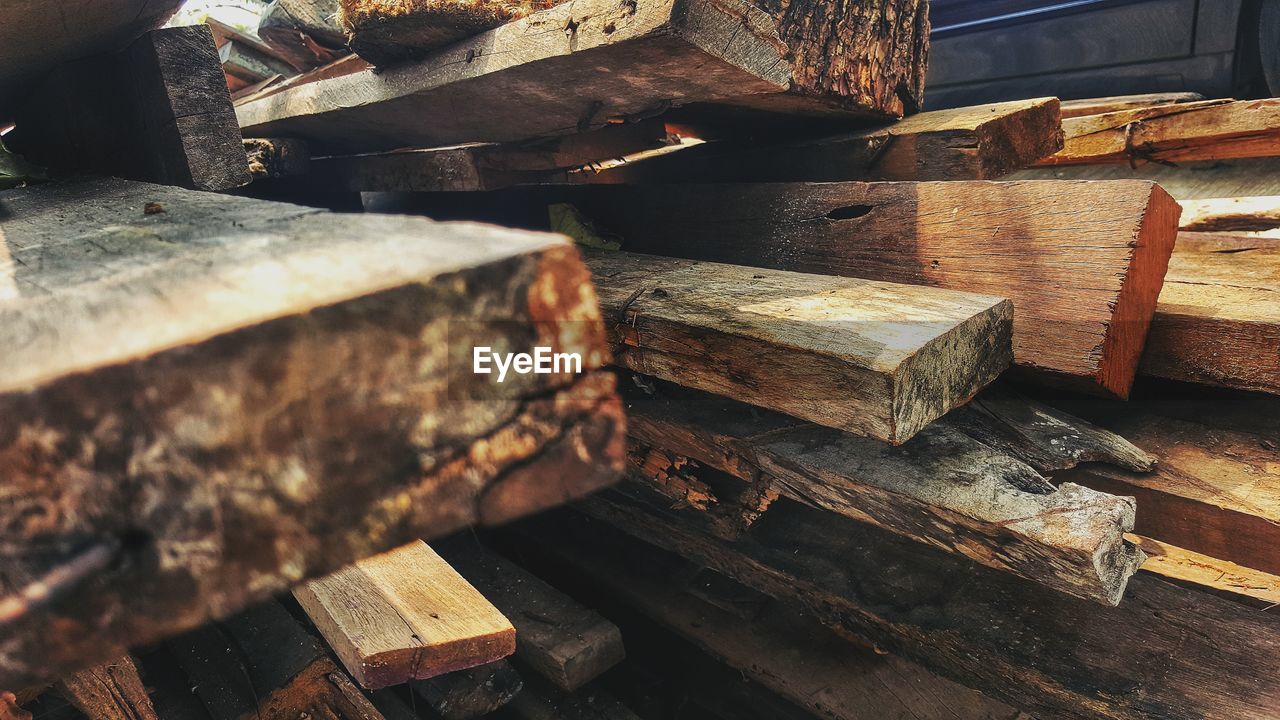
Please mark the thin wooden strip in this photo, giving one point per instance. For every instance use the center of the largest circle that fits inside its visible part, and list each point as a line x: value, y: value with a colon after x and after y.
x: 1222, y: 576
x: 872, y: 358
x: 1116, y: 103
x: 1232, y: 214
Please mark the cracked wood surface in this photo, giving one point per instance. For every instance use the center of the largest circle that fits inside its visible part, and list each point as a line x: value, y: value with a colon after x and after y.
x: 952, y: 486
x: 1218, y: 321
x: 405, y: 615
x: 1082, y: 262
x: 982, y: 142
x: 225, y: 397
x: 1166, y: 653
x: 112, y: 691
x: 584, y: 63
x: 871, y: 358
x: 1182, y: 132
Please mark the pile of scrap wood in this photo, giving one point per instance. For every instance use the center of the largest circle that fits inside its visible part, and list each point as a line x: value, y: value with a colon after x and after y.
x: 905, y: 420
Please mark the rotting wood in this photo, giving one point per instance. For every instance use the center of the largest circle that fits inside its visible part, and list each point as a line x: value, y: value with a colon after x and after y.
x: 470, y: 694
x: 943, y: 488
x: 622, y: 61
x: 112, y: 691
x: 1116, y: 103
x: 1167, y: 653
x: 559, y: 639
x: 405, y: 615
x: 278, y: 403
x: 1183, y: 132
x: 790, y: 654
x: 262, y: 664
x: 1084, y: 284
x: 983, y: 142
x: 871, y: 358
x: 157, y: 111
x: 1218, y: 321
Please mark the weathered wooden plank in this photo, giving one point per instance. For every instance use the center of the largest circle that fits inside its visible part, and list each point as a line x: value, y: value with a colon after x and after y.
x: 215, y: 398
x: 871, y: 358
x: 263, y: 664
x: 157, y: 111
x: 1259, y: 214
x: 472, y: 693
x: 1184, y: 181
x: 112, y: 691
x: 1221, y: 576
x: 405, y: 615
x: 1183, y: 132
x: 1116, y: 103
x: 576, y: 66
x: 1082, y: 262
x: 1167, y: 653
x: 36, y: 36
x: 1218, y: 321
x: 791, y: 654
x: 539, y: 701
x: 944, y: 487
x: 559, y: 639
x: 1216, y: 490
x: 983, y: 142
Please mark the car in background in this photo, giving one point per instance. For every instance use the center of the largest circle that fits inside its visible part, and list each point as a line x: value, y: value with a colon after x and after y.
x: 991, y: 50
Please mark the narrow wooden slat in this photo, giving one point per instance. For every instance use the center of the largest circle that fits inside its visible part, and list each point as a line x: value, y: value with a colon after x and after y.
x: 561, y: 640
x: 405, y: 615
x: 251, y: 394
x: 1222, y: 576
x: 1258, y: 214
x: 1116, y: 103
x: 871, y: 358
x: 576, y: 66
x: 1218, y: 321
x: 1184, y: 132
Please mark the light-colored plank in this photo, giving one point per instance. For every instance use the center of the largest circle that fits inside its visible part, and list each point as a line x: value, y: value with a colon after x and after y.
x: 1185, y: 181
x: 249, y: 394
x: 1116, y: 103
x: 579, y: 65
x: 1210, y: 573
x: 871, y: 358
x: 405, y: 615
x: 1256, y: 215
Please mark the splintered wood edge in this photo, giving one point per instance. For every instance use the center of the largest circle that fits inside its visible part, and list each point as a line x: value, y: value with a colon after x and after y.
x: 1126, y: 336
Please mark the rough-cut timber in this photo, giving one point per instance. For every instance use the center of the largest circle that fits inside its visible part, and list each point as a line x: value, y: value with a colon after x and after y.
x: 559, y: 639
x: 871, y: 358
x: 112, y: 691
x: 576, y: 66
x: 470, y: 694
x: 983, y: 142
x: 792, y: 655
x: 1082, y: 262
x: 36, y: 36
x: 262, y: 664
x: 405, y: 615
x: 1216, y: 490
x: 1166, y: 653
x: 1258, y: 214
x: 215, y: 398
x: 389, y: 32
x: 1184, y: 132
x: 1218, y: 321
x: 944, y: 487
x: 157, y: 111
x: 1116, y: 103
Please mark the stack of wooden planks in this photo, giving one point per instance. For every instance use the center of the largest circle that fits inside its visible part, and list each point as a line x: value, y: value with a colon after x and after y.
x: 907, y: 418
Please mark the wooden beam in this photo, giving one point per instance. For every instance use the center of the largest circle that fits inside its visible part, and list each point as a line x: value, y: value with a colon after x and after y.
x: 621, y: 61
x: 789, y: 653
x: 268, y: 396
x: 1218, y: 321
x: 1184, y: 181
x: 983, y: 142
x: 1232, y: 214
x: 405, y: 615
x: 945, y: 487
x: 1215, y: 490
x: 472, y: 693
x: 1224, y: 577
x: 112, y: 691
x: 1158, y: 656
x: 1183, y: 132
x: 870, y: 358
x: 1082, y: 262
x: 390, y: 32
x: 263, y: 664
x: 1116, y: 103
x: 559, y: 639
x: 158, y: 111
